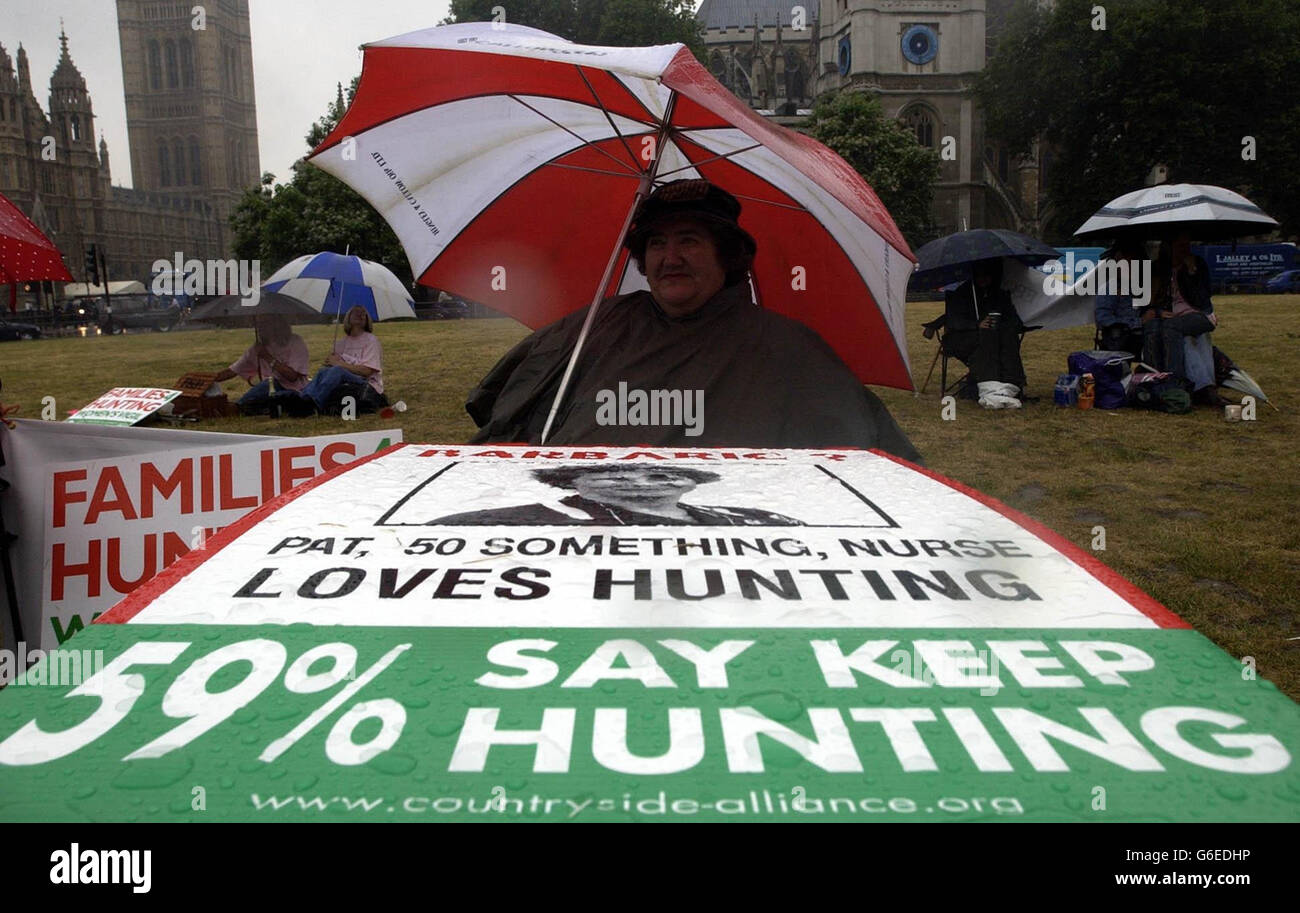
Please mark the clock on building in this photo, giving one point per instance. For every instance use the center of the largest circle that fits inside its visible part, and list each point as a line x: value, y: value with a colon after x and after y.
x: 920, y: 44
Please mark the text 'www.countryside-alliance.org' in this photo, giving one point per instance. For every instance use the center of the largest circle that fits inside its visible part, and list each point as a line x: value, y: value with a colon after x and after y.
x: 499, y: 803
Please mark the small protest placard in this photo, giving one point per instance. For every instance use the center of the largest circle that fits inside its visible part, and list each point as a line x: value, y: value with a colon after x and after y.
x: 124, y: 406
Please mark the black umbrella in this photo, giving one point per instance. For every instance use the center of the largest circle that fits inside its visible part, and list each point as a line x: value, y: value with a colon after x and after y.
x: 232, y: 311
x: 949, y: 259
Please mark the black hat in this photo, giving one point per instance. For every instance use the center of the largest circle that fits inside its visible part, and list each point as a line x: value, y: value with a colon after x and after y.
x: 697, y: 198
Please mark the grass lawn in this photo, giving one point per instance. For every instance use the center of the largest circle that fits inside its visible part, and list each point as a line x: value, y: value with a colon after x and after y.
x: 1199, y: 513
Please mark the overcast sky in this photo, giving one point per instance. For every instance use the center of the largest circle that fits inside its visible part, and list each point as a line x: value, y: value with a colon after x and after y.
x: 301, y: 50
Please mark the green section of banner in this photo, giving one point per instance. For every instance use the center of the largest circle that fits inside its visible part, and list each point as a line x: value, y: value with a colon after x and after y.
x: 426, y: 724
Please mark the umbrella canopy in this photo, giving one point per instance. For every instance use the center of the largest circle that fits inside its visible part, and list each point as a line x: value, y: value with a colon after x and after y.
x: 509, y: 162
x: 1208, y: 212
x: 949, y: 259
x: 1228, y: 374
x: 333, y: 283
x: 25, y: 253
x: 231, y: 311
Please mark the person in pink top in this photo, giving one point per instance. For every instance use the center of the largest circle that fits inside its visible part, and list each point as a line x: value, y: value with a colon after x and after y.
x: 276, y: 363
x: 357, y: 359
x: 1181, y: 309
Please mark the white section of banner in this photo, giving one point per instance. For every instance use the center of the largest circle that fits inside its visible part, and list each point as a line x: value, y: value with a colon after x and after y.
x: 512, y: 537
x: 120, y: 520
x: 1070, y: 307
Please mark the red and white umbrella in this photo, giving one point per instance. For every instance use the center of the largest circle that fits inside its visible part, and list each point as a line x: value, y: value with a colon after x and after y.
x: 509, y: 162
x: 25, y: 253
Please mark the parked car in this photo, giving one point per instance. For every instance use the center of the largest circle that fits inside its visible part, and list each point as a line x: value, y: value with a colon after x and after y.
x: 449, y: 307
x: 137, y: 312
x: 1285, y: 281
x: 10, y: 330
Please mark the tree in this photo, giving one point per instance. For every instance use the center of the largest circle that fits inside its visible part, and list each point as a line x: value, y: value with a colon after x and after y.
x: 615, y: 23
x: 315, y: 211
x: 1185, y: 83
x: 885, y: 153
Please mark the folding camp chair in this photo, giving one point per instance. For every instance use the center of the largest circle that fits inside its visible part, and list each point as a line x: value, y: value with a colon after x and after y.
x: 935, y: 328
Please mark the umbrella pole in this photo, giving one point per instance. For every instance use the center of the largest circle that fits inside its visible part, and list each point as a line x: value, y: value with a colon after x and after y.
x: 643, y: 190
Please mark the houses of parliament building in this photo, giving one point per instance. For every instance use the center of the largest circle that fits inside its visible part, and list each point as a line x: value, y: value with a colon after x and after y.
x: 192, y: 128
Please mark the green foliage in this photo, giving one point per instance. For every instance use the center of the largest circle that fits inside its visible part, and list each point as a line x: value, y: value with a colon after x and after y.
x: 314, y: 212
x: 615, y: 23
x: 1178, y: 82
x: 885, y: 153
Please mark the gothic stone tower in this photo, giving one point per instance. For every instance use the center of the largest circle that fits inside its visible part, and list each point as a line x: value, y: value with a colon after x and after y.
x: 191, y: 116
x: 77, y: 203
x: 920, y: 57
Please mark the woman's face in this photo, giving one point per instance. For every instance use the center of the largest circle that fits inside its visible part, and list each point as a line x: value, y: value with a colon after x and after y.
x: 355, y: 320
x: 273, y: 330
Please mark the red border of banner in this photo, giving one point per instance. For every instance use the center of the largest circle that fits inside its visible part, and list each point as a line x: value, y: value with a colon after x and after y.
x: 133, y: 602
x: 137, y: 599
x: 1126, y: 589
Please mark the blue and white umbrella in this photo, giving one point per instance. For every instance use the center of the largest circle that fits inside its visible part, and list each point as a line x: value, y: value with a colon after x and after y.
x: 332, y: 283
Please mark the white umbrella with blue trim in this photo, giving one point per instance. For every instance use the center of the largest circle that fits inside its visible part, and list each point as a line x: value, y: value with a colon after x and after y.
x: 332, y: 283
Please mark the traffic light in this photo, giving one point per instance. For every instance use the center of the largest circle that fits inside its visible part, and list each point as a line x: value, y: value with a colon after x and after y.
x: 92, y: 265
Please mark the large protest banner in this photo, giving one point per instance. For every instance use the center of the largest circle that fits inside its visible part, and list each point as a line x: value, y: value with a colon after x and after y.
x: 103, y: 510
x: 513, y: 633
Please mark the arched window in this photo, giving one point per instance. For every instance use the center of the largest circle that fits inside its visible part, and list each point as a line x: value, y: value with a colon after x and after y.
x: 155, y: 66
x: 76, y: 128
x: 173, y: 77
x: 918, y: 119
x: 187, y: 63
x: 179, y: 159
x: 794, y: 78
x: 742, y: 86
x: 196, y: 170
x: 164, y: 166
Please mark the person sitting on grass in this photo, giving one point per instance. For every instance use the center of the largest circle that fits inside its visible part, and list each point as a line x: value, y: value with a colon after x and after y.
x: 1180, y: 318
x: 1119, y: 323
x: 982, y: 329
x: 275, y: 364
x: 357, y: 359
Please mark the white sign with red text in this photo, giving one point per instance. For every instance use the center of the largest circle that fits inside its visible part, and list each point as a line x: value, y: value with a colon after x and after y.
x: 124, y: 406
x: 110, y: 525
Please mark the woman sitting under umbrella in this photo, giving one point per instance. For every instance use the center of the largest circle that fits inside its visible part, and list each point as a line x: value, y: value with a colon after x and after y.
x: 276, y: 363
x: 1181, y: 309
x: 983, y: 329
x: 357, y: 359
